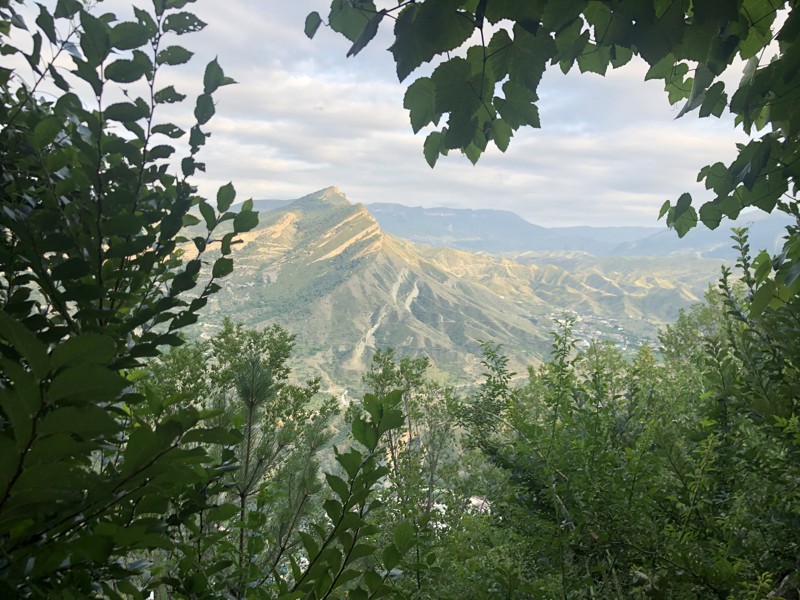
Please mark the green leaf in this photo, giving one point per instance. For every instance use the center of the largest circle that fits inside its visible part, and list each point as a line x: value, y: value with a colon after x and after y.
x: 433, y: 146
x: 225, y: 197
x: 423, y: 31
x: 501, y: 133
x: 391, y: 557
x: 350, y: 461
x: 72, y: 268
x: 313, y: 21
x: 47, y: 24
x: 348, y: 19
x: 373, y: 581
x: 95, y: 40
x: 66, y: 9
x: 311, y: 546
x: 183, y: 22
x: 594, y: 59
x: 222, y: 266
x: 214, y: 78
x: 338, y: 485
x: 79, y: 420
x: 26, y: 344
x: 46, y: 131
x: 365, y: 433
x: 84, y: 349
x: 518, y: 107
x: 420, y: 100
x: 174, y: 55
x: 683, y: 216
x: 204, y: 109
x: 223, y: 512
x: 123, y: 70
x: 129, y: 35
x: 245, y: 221
x: 126, y: 112
x: 168, y: 95
x: 367, y: 33
x: 403, y: 536
x: 168, y: 129
x: 762, y: 297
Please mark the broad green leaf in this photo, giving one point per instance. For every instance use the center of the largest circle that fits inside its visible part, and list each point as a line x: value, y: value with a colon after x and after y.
x: 168, y: 129
x: 208, y: 214
x: 338, y: 485
x: 79, y: 420
x: 313, y: 21
x: 168, y: 95
x: 311, y: 546
x: 762, y: 298
x: 433, y: 146
x: 86, y: 383
x: 350, y: 461
x: 365, y: 433
x: 183, y: 22
x: 124, y: 70
x: 420, y: 100
x: 501, y: 133
x: 223, y: 512
x: 594, y: 59
x: 204, y: 109
x: 245, y: 221
x: 682, y: 216
x: 222, y: 267
x: 423, y: 31
x: 160, y: 152
x: 403, y: 536
x: 126, y: 111
x: 367, y: 33
x: 95, y: 40
x: 333, y: 508
x: 390, y: 557
x: 46, y: 131
x: 46, y: 23
x: 174, y: 55
x: 349, y: 19
x: 26, y: 344
x: 373, y: 580
x: 225, y: 197
x: 214, y: 78
x: 518, y: 107
x: 129, y: 35
x: 66, y: 9
x: 86, y: 349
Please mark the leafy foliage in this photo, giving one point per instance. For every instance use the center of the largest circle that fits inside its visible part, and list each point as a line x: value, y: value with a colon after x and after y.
x: 248, y: 531
x: 489, y: 57
x: 662, y: 480
x: 93, y: 281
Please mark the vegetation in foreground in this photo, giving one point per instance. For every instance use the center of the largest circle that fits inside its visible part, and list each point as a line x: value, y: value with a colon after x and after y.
x: 126, y: 472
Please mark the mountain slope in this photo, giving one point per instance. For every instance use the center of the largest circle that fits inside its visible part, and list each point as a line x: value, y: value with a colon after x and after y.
x: 323, y: 268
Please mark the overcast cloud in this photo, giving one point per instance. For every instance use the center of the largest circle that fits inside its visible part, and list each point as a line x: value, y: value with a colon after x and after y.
x: 304, y: 117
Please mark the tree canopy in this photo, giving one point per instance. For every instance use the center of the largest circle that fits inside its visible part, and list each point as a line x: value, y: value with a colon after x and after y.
x: 489, y: 57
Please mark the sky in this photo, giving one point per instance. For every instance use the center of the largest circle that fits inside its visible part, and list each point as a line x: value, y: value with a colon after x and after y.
x: 303, y: 117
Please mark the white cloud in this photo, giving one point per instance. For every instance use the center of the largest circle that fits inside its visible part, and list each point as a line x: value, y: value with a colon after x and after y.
x: 304, y: 117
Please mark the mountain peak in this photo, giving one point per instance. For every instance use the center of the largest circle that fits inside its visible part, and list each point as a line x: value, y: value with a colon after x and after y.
x: 331, y: 196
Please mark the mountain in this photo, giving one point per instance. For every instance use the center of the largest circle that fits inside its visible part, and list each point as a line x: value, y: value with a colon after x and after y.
x: 504, y: 232
x: 325, y: 269
x: 482, y: 230
x: 766, y: 231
